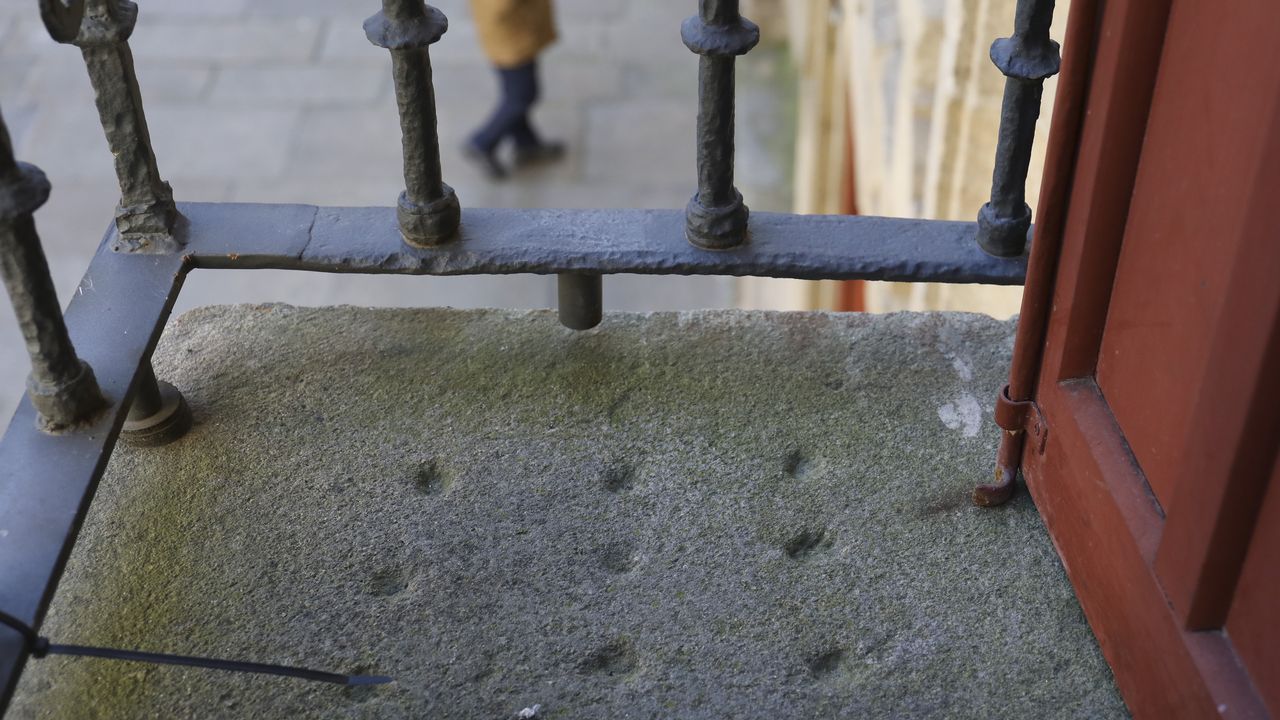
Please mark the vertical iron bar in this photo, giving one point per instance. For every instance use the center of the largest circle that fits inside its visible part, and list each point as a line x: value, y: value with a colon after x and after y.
x: 147, y: 399
x: 717, y: 217
x: 1026, y: 59
x: 581, y: 297
x: 428, y: 209
x: 146, y: 215
x: 159, y: 414
x: 62, y: 387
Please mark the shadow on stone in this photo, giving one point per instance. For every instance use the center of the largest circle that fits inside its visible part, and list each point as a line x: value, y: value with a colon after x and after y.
x: 618, y: 477
x: 432, y: 478
x: 808, y: 541
x: 615, y: 658
x: 825, y: 663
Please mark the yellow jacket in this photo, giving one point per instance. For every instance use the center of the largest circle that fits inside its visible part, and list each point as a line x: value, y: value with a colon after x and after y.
x: 513, y: 32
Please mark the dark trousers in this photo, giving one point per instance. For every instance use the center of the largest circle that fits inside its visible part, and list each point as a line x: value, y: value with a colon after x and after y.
x: 511, y: 119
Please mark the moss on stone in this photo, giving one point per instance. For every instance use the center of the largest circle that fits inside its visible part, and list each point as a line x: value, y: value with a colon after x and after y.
x: 742, y: 514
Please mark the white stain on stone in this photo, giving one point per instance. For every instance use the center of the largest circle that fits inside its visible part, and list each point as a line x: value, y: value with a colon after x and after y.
x: 963, y: 414
x: 962, y: 368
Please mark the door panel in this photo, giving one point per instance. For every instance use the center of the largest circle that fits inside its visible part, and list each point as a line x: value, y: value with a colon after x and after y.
x: 1159, y: 383
x: 1199, y: 162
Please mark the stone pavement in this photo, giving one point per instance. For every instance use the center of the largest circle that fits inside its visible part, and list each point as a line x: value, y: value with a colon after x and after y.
x: 717, y: 514
x: 286, y: 101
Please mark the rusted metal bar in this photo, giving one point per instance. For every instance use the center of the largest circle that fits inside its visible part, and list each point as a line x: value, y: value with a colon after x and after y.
x: 581, y: 300
x: 1033, y: 320
x: 47, y: 480
x: 146, y: 216
x: 62, y: 387
x: 428, y: 209
x: 604, y: 242
x: 716, y: 217
x: 1026, y: 59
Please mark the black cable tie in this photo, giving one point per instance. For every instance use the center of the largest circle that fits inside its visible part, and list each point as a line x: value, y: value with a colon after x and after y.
x: 40, y: 646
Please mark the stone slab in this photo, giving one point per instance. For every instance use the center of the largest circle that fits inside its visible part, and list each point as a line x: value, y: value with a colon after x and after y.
x: 693, y: 515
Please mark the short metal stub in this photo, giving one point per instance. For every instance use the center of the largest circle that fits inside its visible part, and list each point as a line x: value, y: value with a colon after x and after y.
x: 717, y: 228
x: 406, y: 33
x: 737, y: 38
x: 167, y: 424
x: 62, y: 18
x: 431, y: 224
x: 999, y: 492
x: 580, y: 300
x: 67, y: 404
x: 1003, y: 237
x: 1026, y: 61
x: 23, y: 192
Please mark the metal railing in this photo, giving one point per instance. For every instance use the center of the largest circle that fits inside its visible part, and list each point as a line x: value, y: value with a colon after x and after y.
x: 77, y: 405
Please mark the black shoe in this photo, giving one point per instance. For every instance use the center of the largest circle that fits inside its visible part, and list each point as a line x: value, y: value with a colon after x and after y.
x: 541, y: 153
x: 487, y: 162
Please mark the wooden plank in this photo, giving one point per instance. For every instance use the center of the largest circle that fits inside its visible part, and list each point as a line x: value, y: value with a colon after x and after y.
x: 1124, y: 74
x: 1096, y: 503
x: 1211, y: 113
x: 1234, y: 430
x: 1105, y: 525
x: 1252, y: 624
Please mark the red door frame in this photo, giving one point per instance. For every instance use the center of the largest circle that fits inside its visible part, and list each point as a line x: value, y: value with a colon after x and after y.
x: 1156, y: 593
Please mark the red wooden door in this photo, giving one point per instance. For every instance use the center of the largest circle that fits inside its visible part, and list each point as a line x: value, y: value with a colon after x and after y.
x: 1157, y: 386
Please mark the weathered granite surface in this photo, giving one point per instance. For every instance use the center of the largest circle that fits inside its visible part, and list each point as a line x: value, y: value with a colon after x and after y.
x: 695, y: 515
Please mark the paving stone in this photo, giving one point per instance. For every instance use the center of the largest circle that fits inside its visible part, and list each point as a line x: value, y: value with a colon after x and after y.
x: 609, y: 10
x: 645, y: 138
x: 66, y: 140
x: 694, y: 515
x: 196, y: 8
x: 259, y: 40
x: 27, y: 37
x: 565, y: 77
x: 345, y: 9
x: 64, y: 74
x: 236, y: 143
x: 293, y: 84
x: 344, y: 147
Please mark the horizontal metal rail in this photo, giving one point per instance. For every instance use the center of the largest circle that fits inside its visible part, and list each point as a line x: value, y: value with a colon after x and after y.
x: 48, y: 480
x: 648, y: 242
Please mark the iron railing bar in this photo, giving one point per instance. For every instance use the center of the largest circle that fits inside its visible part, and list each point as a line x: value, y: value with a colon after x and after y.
x: 47, y: 481
x: 428, y: 207
x: 145, y: 215
x: 1026, y: 59
x: 650, y: 242
x: 717, y: 216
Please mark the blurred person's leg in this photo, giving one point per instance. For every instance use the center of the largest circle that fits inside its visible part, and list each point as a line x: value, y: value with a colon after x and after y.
x: 520, y: 92
x: 530, y: 147
x: 519, y: 87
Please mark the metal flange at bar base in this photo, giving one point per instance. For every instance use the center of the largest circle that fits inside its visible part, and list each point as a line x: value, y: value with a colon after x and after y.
x: 159, y: 413
x: 428, y: 209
